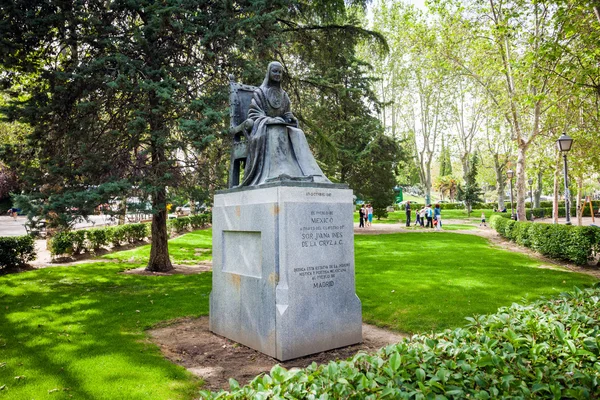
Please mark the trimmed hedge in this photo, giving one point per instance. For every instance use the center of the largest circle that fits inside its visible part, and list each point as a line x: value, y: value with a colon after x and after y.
x: 74, y: 242
x: 16, y: 251
x: 182, y: 224
x: 577, y: 244
x: 548, y: 349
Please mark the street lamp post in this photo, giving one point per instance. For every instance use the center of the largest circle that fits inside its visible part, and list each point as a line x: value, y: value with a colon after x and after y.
x: 530, y: 181
x: 510, y: 175
x: 564, y: 143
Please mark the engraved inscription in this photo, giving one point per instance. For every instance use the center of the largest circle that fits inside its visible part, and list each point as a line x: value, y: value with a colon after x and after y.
x: 321, y: 230
x: 322, y: 275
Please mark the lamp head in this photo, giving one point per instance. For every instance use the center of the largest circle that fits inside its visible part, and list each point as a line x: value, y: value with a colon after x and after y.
x: 564, y: 142
x: 530, y: 181
x: 510, y: 173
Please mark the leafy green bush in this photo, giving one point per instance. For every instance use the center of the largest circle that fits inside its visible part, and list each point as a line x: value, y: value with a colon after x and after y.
x: 180, y: 224
x: 98, y: 238
x: 61, y: 243
x: 548, y: 349
x: 116, y: 235
x: 16, y: 251
x: 78, y: 239
x: 138, y: 232
x: 577, y: 244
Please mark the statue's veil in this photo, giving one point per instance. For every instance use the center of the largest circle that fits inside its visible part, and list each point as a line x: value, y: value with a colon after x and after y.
x: 267, y: 82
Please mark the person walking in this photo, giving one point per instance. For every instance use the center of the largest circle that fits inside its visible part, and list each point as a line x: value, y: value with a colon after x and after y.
x: 482, y: 219
x: 369, y: 214
x: 361, y: 217
x: 408, y: 213
x: 429, y: 215
x: 418, y: 215
x: 437, y: 214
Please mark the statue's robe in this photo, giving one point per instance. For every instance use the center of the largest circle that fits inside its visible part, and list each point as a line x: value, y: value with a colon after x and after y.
x: 277, y: 151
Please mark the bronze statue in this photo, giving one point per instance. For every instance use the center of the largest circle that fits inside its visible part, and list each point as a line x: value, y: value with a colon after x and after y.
x: 277, y: 149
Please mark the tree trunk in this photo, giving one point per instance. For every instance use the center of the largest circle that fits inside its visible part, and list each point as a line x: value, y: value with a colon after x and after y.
x: 579, y: 205
x: 556, y: 188
x: 159, y: 251
x: 521, y: 190
x: 537, y: 194
x: 500, y: 182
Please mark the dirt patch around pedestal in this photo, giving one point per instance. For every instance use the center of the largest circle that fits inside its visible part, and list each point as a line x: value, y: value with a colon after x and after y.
x: 215, y: 359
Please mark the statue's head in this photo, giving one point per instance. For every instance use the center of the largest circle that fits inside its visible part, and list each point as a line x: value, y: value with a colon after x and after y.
x: 274, y: 74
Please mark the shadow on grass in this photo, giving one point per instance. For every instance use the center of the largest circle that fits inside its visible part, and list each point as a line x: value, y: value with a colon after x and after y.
x: 81, y: 330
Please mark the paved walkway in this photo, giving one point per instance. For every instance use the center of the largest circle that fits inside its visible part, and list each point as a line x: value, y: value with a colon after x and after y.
x: 10, y: 227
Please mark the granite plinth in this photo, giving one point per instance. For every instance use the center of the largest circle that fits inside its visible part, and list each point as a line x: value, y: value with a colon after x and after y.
x: 283, y: 269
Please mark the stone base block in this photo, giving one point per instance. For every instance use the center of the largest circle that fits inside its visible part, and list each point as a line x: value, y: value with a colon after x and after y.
x: 283, y: 269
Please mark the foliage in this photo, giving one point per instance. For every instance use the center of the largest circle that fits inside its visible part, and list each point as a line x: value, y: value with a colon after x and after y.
x: 447, y: 185
x: 470, y: 193
x: 183, y: 224
x: 73, y: 242
x: 16, y: 251
x: 546, y: 349
x: 578, y: 244
x: 78, y: 237
x: 61, y: 243
x: 118, y: 91
x: 376, y: 176
x: 97, y: 237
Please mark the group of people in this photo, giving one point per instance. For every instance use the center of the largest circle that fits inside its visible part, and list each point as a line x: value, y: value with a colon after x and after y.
x: 427, y: 216
x: 365, y: 215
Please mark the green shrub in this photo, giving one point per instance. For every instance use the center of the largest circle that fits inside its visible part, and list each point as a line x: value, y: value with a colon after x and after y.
x: 577, y: 244
x: 138, y: 232
x: 16, y: 251
x: 78, y: 238
x: 98, y: 238
x: 116, y: 235
x: 61, y: 244
x: 548, y: 349
x: 180, y: 224
x: 521, y: 234
x: 508, y: 229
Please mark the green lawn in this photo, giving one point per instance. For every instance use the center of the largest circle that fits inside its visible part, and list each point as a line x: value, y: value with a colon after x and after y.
x: 400, y: 216
x: 80, y: 331
x: 418, y: 282
x: 187, y: 249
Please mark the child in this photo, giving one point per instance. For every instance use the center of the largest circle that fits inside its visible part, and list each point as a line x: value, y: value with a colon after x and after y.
x: 361, y: 216
x: 483, y: 219
x: 418, y: 213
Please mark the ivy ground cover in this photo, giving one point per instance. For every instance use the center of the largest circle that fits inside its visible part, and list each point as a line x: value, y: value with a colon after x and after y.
x: 79, y: 332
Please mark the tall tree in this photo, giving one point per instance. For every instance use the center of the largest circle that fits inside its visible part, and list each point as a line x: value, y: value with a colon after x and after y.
x: 116, y: 88
x: 421, y: 81
x: 470, y: 192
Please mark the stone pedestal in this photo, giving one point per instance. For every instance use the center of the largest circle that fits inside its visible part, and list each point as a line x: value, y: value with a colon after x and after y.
x: 283, y: 269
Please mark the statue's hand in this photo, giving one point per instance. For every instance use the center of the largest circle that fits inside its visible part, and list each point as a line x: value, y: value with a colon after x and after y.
x: 276, y: 120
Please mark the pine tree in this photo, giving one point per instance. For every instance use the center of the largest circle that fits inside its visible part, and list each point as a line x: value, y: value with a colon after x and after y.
x: 471, y: 192
x: 115, y: 89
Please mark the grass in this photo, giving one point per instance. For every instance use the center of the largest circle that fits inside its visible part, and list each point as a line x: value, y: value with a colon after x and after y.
x: 79, y: 331
x: 432, y: 281
x: 399, y: 217
x: 187, y: 249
